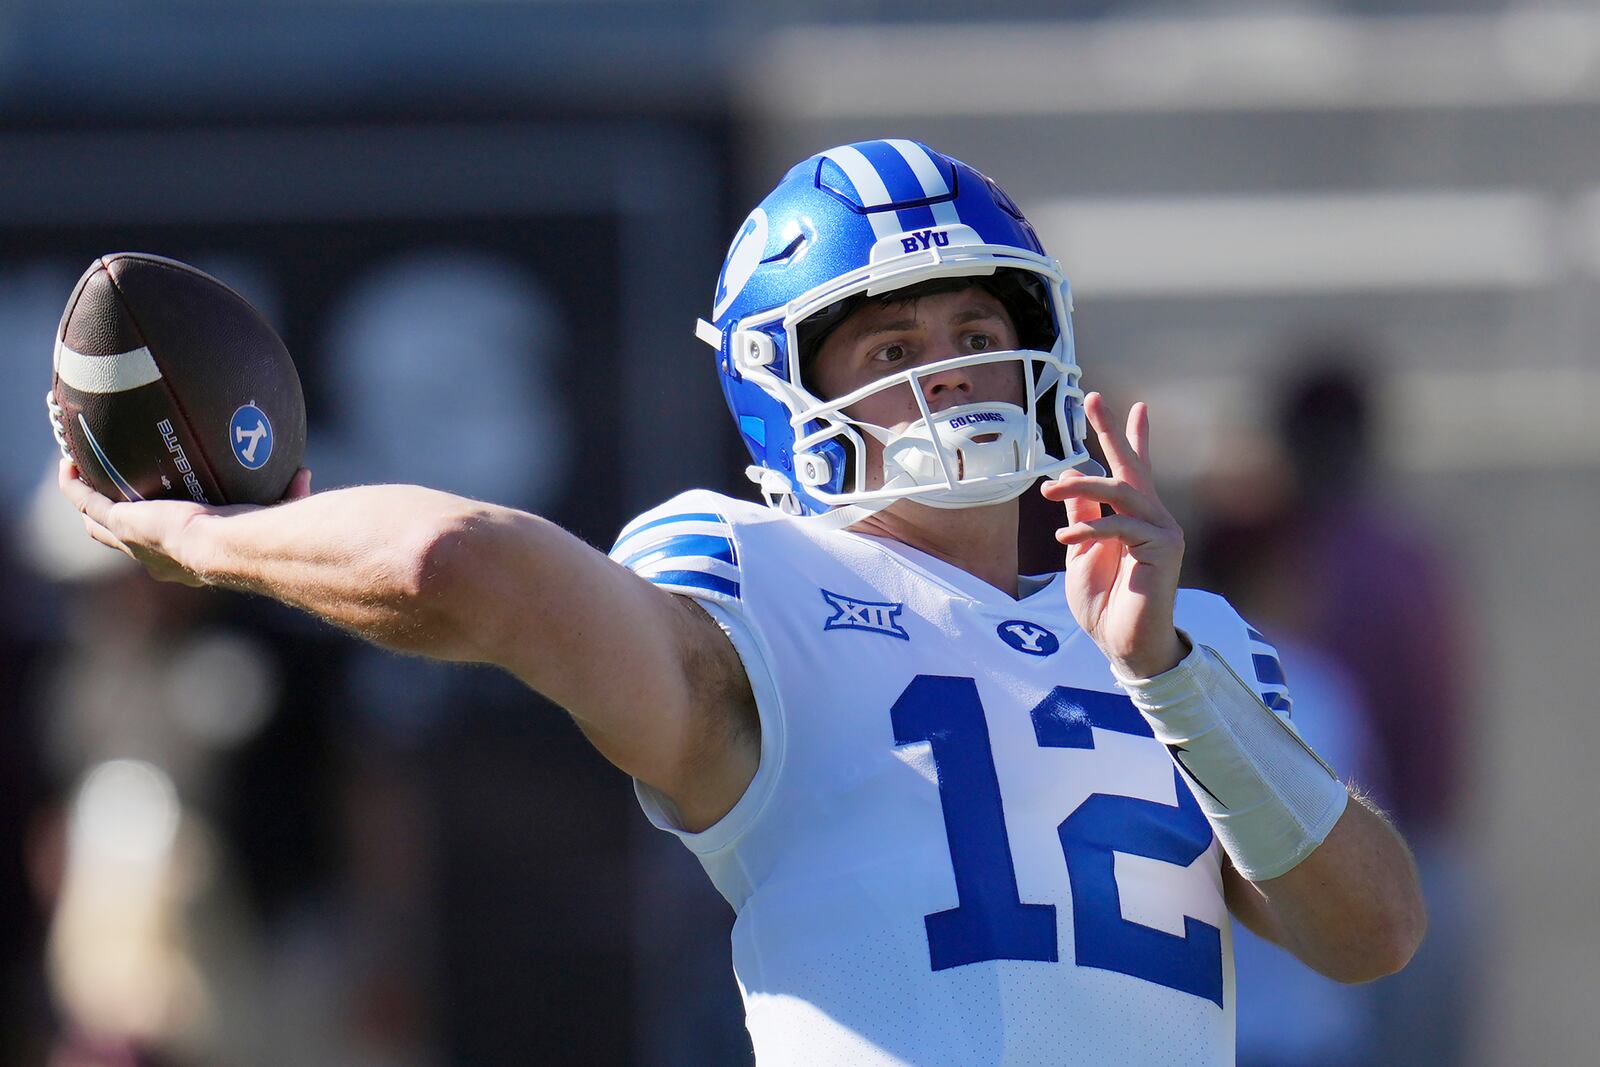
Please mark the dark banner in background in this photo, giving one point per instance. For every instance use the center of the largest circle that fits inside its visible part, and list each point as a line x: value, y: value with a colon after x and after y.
x: 502, y: 309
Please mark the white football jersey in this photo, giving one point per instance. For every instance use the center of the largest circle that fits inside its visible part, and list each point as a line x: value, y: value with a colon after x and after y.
x: 963, y: 846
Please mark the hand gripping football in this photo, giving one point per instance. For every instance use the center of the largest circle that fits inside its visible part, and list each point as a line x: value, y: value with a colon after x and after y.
x: 169, y: 385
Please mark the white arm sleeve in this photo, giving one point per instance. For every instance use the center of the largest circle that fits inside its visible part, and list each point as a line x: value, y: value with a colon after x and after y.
x: 1270, y: 799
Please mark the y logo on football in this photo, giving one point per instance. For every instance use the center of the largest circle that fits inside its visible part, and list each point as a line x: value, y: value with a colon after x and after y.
x: 250, y: 434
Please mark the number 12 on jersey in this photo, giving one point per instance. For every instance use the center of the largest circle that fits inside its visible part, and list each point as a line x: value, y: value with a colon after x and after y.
x: 991, y: 922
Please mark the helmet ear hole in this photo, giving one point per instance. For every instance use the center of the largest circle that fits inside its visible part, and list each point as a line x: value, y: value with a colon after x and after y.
x: 812, y: 469
x: 752, y: 349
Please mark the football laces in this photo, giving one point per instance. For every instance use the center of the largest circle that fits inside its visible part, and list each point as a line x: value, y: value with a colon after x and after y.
x: 58, y: 424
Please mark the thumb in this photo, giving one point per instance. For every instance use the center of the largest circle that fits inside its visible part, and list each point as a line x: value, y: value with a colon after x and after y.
x: 299, y: 486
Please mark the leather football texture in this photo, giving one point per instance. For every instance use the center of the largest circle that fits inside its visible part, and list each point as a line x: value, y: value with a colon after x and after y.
x: 168, y: 385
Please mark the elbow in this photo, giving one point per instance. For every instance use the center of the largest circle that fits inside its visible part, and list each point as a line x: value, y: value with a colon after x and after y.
x: 1402, y: 938
x: 1386, y: 947
x: 1401, y: 931
x: 443, y: 581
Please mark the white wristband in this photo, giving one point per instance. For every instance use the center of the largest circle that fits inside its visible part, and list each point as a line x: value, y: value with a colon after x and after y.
x: 1270, y: 799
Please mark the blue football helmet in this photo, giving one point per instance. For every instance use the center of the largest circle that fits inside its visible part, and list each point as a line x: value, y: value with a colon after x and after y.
x: 856, y: 222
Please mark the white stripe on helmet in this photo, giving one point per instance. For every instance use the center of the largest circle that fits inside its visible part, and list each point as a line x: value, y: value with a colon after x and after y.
x: 869, y: 187
x: 931, y: 177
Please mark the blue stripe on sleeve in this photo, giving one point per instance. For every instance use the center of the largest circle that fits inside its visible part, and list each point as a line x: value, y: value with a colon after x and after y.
x: 683, y: 545
x: 699, y: 516
x: 695, y: 580
x: 1255, y: 635
x: 1278, y: 702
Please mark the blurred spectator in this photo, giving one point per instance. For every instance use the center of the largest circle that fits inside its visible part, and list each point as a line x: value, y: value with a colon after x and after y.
x: 1288, y: 1015
x: 140, y: 711
x: 1327, y: 564
x: 178, y: 837
x: 1376, y: 592
x: 1379, y: 600
x: 348, y: 855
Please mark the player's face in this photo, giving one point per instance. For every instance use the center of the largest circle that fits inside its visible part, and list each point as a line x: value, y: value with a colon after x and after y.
x: 883, y: 339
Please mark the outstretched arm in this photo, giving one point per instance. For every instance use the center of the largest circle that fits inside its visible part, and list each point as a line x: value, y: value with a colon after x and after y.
x: 1332, y: 881
x: 651, y: 680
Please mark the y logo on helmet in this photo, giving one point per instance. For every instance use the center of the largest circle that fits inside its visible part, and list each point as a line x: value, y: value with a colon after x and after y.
x: 852, y: 614
x: 744, y: 256
x: 922, y: 240
x: 1027, y: 637
x: 250, y: 434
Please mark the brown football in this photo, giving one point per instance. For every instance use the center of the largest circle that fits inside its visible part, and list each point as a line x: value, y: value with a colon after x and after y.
x: 169, y: 385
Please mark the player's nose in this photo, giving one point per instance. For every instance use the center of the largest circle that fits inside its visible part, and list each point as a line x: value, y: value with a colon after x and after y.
x: 947, y: 387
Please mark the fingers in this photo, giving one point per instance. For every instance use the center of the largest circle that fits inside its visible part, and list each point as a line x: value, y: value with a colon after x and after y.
x: 1146, y: 542
x: 1079, y: 506
x: 1126, y: 461
x: 299, y: 486
x: 142, y: 531
x: 67, y: 478
x: 1119, y: 494
x: 95, y: 508
x: 89, y: 503
x: 106, y: 537
x: 1139, y: 433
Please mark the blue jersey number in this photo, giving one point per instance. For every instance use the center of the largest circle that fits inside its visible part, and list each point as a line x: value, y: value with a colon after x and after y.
x: 991, y: 922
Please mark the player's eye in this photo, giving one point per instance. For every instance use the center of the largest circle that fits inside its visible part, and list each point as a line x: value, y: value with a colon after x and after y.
x: 889, y: 353
x: 980, y: 342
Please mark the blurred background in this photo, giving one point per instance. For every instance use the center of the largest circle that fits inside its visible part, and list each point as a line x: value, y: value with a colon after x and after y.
x: 1349, y: 250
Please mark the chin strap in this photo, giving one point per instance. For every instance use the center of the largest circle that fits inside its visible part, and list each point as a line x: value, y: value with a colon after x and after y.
x: 774, y: 487
x: 845, y: 515
x: 779, y: 494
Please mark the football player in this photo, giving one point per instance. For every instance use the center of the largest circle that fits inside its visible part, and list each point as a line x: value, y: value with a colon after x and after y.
x: 964, y: 816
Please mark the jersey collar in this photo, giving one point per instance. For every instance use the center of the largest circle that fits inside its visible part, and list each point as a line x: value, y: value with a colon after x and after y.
x: 1035, y: 589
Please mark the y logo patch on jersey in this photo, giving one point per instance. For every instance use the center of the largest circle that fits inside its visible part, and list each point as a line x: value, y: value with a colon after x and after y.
x: 1028, y: 637
x: 852, y: 614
